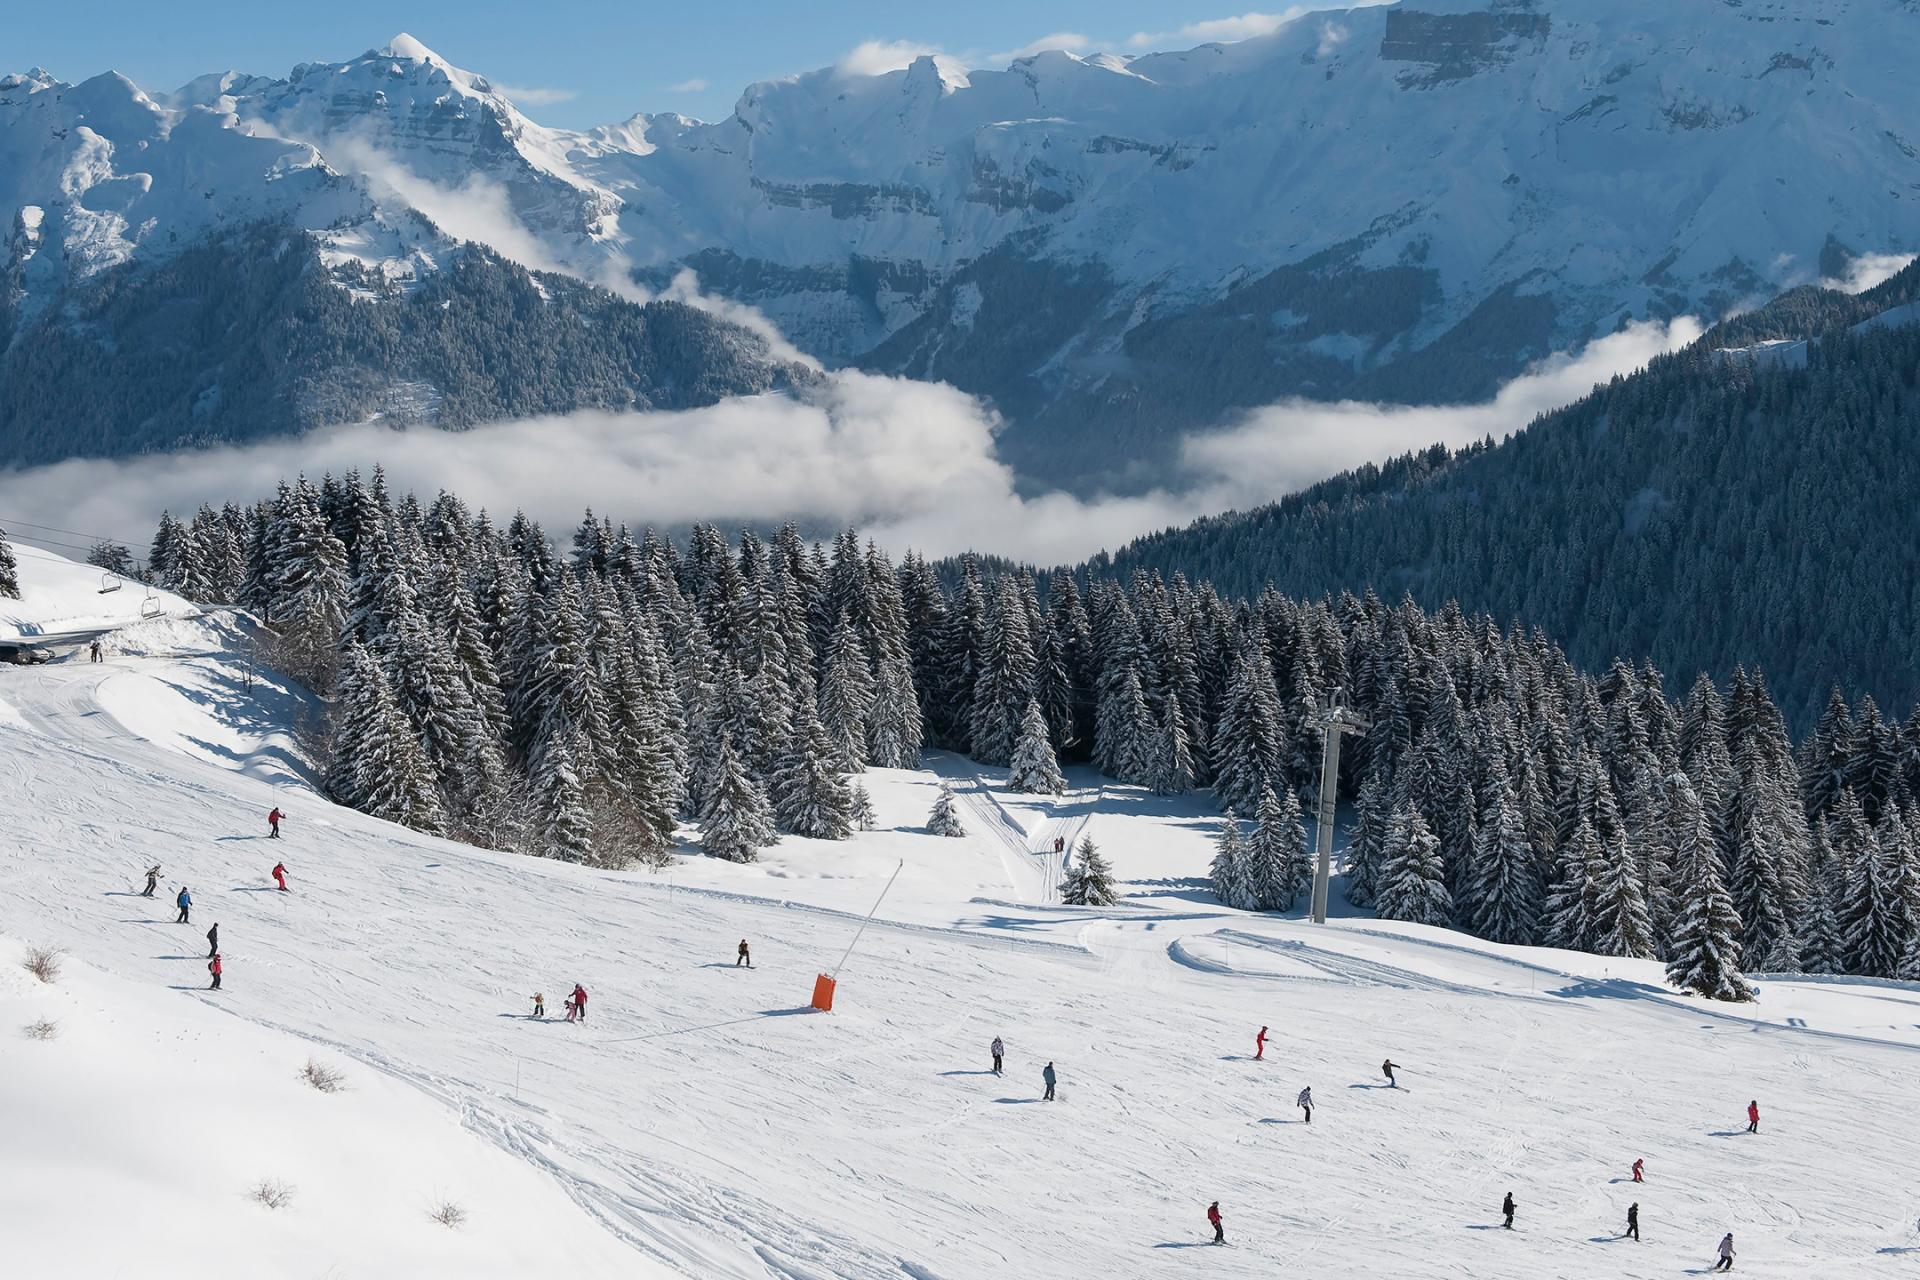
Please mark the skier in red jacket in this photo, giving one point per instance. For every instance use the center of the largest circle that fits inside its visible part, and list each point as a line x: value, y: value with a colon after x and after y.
x: 273, y: 823
x: 1213, y: 1216
x: 577, y: 1005
x: 1260, y: 1045
x: 1639, y: 1166
x: 1753, y: 1116
x: 280, y: 875
x: 214, y: 967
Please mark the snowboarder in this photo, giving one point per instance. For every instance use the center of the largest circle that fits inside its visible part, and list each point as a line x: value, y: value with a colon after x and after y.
x: 577, y: 1004
x: 1387, y: 1069
x: 185, y: 903
x: 213, y: 941
x: 1305, y: 1102
x: 1213, y: 1216
x: 1639, y: 1166
x: 745, y: 957
x: 1726, y: 1253
x: 214, y: 968
x: 1633, y: 1220
x: 280, y: 875
x: 273, y: 823
x: 539, y: 1005
x: 1260, y: 1045
x: 1051, y: 1080
x: 1753, y: 1116
x: 999, y: 1052
x: 153, y: 881
x: 1507, y: 1207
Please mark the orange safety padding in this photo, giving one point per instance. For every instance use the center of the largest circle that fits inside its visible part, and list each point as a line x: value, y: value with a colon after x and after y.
x: 823, y: 993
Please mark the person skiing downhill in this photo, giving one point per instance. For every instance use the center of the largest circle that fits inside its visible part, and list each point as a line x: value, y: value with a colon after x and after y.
x: 214, y: 967
x: 1213, y: 1216
x: 1260, y: 1045
x: 745, y: 957
x: 577, y: 1004
x: 185, y: 903
x: 1633, y: 1220
x: 1051, y: 1080
x: 1305, y: 1102
x: 1726, y: 1253
x: 1507, y: 1206
x: 280, y: 875
x: 1638, y: 1167
x: 153, y: 881
x: 999, y: 1052
x: 1753, y: 1116
x: 213, y: 941
x: 273, y: 823
x: 539, y: 1005
x: 1387, y: 1069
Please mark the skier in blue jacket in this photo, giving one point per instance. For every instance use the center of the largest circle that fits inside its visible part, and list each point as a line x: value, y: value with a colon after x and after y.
x: 185, y: 903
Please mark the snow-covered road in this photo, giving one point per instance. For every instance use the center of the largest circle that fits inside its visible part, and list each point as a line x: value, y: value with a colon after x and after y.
x: 704, y: 1117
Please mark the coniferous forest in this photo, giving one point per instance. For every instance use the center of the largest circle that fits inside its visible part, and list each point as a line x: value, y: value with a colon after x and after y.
x: 581, y: 701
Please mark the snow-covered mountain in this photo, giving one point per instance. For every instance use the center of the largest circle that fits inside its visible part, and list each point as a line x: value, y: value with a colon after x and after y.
x: 1402, y: 202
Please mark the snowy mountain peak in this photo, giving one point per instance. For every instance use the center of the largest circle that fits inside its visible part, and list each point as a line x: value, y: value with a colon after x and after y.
x: 405, y: 46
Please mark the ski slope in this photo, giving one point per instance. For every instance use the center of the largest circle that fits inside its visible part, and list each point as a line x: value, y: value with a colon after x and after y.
x: 711, y: 1126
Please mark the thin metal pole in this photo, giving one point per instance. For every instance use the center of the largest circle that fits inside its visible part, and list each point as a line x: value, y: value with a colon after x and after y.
x: 835, y: 971
x: 1329, y: 793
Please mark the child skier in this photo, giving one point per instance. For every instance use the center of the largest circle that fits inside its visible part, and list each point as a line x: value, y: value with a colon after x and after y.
x: 539, y: 1006
x: 745, y: 956
x: 1260, y: 1045
x: 1638, y: 1167
x: 214, y: 968
x: 280, y: 875
x: 1753, y: 1116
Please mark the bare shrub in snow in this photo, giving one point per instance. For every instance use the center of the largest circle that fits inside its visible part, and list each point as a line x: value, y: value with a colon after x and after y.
x: 447, y: 1214
x: 323, y: 1077
x: 43, y: 963
x: 272, y: 1193
x: 42, y: 1030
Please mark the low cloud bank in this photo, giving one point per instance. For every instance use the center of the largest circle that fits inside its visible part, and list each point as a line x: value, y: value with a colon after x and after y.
x: 912, y: 462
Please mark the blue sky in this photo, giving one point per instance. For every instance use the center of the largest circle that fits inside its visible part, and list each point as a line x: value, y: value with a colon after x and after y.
x: 583, y: 62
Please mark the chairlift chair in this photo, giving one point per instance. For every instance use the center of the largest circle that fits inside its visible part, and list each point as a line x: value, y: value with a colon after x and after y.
x: 109, y: 582
x: 150, y: 607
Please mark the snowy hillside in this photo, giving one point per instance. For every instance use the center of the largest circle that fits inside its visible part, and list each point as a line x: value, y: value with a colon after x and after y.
x: 1404, y: 202
x: 716, y: 1128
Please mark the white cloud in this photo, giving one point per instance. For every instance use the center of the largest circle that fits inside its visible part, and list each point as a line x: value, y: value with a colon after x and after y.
x: 1069, y: 41
x: 695, y: 85
x: 1868, y: 270
x: 534, y: 97
x: 1243, y: 26
x: 877, y: 57
x: 1282, y: 448
x: 914, y: 463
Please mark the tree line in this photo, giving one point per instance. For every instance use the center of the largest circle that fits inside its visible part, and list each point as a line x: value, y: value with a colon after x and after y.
x: 581, y: 704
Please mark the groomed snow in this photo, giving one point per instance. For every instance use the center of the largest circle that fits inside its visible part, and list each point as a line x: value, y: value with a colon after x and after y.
x: 710, y: 1123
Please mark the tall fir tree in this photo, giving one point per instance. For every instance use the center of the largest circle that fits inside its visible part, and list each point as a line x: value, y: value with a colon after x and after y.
x: 1412, y: 885
x: 1034, y: 770
x: 1089, y: 881
x: 736, y: 821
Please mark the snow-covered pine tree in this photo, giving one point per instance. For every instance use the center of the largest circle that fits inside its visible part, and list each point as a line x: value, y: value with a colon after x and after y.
x: 944, y: 820
x: 1412, y: 884
x: 9, y: 570
x: 1505, y: 901
x: 864, y: 817
x: 378, y: 767
x: 1822, y: 946
x: 1170, y: 764
x: 1879, y: 919
x: 736, y: 821
x: 1704, y: 953
x: 1003, y: 683
x: 563, y: 827
x: 1232, y: 881
x: 1277, y: 852
x: 1089, y: 881
x: 1573, y: 903
x: 809, y: 793
x: 894, y: 727
x: 1622, y: 925
x: 846, y: 695
x: 1246, y: 748
x: 1366, y: 847
x: 1034, y: 770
